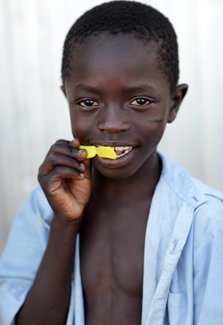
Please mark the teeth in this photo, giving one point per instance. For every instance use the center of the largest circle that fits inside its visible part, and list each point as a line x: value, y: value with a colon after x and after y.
x: 121, y: 150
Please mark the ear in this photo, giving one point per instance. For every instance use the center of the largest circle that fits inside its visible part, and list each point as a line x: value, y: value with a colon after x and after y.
x: 177, y: 97
x: 62, y: 87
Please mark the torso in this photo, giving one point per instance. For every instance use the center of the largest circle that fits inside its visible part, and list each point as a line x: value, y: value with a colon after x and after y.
x: 112, y: 253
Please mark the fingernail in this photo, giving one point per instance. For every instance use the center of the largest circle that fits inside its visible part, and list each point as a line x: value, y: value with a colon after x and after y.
x: 72, y: 142
x: 82, y: 167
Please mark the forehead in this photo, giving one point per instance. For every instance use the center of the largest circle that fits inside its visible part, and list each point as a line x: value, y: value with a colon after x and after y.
x: 111, y: 51
x: 116, y: 62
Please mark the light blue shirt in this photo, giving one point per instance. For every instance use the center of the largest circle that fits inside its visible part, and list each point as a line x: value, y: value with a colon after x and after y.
x: 183, y: 259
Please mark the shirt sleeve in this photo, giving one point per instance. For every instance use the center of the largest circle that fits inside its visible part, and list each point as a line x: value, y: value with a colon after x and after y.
x: 23, y: 253
x: 208, y: 263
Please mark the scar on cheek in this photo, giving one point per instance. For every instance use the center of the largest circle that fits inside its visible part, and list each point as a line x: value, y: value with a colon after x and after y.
x: 104, y: 152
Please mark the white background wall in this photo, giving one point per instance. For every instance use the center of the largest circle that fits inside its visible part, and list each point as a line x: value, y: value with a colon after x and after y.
x: 33, y: 112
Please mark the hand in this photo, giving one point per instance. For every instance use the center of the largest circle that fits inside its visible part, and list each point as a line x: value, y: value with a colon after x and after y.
x: 65, y: 178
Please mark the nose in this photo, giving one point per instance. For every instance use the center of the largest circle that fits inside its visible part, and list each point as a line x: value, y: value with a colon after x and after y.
x: 113, y: 119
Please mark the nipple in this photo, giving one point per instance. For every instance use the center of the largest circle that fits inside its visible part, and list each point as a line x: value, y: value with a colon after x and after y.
x: 104, y: 152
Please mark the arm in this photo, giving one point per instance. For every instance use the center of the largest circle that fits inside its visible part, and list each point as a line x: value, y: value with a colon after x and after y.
x: 48, y: 299
x: 208, y: 264
x: 67, y: 191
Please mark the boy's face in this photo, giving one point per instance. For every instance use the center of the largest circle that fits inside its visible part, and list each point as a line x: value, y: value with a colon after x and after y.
x: 118, y: 97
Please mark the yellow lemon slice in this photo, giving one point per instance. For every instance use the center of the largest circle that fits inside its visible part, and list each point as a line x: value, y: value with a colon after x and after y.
x: 104, y: 152
x: 91, y: 150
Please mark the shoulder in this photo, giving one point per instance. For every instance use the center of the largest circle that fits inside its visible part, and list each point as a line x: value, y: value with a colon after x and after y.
x: 204, y: 202
x: 199, y: 206
x: 28, y: 237
x: 36, y: 208
x: 189, y: 189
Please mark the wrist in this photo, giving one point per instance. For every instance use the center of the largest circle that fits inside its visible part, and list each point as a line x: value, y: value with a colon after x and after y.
x: 66, y: 226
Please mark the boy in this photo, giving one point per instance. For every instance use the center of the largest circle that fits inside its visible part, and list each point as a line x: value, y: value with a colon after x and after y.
x: 132, y: 240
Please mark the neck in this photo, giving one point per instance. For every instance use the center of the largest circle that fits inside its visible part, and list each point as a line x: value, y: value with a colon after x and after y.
x: 135, y: 188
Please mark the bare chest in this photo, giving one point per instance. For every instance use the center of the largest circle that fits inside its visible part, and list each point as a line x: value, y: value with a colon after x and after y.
x: 112, y: 254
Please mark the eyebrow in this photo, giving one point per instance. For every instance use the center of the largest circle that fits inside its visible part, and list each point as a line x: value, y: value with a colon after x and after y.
x: 87, y: 88
x: 128, y: 90
x: 139, y: 88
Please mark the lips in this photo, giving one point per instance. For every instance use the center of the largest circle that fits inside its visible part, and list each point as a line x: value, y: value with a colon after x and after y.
x: 121, y: 151
x: 125, y: 154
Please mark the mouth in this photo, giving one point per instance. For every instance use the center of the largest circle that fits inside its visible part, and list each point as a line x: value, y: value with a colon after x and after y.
x: 121, y: 151
x: 124, y: 156
x: 109, y: 152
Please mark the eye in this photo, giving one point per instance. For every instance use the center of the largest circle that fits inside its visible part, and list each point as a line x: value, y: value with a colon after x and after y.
x: 140, y: 101
x: 88, y: 103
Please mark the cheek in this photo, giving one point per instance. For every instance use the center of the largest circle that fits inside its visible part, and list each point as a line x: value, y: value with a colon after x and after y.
x: 153, y: 130
x: 81, y: 126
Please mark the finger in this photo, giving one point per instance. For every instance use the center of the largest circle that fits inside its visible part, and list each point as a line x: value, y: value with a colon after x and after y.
x: 57, y: 175
x: 55, y: 159
x: 66, y: 148
x: 75, y: 143
x: 87, y: 172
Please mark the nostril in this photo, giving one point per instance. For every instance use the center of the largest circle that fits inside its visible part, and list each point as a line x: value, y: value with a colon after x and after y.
x: 113, y: 127
x: 113, y: 119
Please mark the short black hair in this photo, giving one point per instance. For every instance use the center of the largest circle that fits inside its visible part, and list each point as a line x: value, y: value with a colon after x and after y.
x: 126, y: 17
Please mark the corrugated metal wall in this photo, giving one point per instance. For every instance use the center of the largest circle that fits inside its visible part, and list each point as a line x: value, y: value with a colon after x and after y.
x: 33, y: 112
